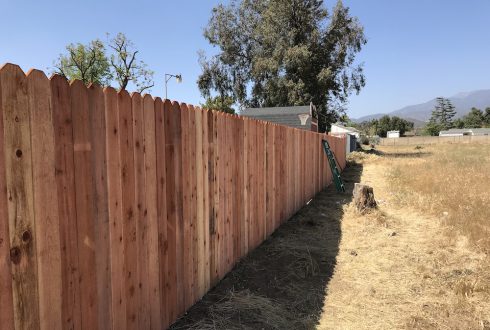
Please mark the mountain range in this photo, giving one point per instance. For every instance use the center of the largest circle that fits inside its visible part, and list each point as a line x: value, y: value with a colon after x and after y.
x: 420, y: 113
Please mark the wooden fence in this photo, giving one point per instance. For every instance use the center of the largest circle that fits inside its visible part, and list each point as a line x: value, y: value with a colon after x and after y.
x: 121, y: 211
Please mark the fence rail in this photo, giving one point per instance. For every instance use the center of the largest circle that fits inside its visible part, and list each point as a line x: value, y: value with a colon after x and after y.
x: 121, y: 211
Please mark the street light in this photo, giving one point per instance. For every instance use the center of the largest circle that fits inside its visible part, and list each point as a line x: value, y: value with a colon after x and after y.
x: 168, y: 76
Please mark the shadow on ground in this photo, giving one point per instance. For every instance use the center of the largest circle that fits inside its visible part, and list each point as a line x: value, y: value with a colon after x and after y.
x: 416, y: 153
x: 282, y: 283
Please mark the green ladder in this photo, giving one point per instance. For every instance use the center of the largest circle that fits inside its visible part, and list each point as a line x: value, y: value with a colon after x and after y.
x: 339, y: 185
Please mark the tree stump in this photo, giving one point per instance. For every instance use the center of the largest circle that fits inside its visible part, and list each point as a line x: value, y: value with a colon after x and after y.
x: 364, y: 197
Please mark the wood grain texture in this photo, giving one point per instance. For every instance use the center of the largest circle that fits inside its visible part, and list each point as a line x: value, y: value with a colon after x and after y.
x: 121, y: 211
x: 65, y: 183
x: 187, y: 237
x: 200, y: 246
x: 171, y: 165
x: 156, y: 208
x: 140, y: 212
x: 128, y: 209
x: 45, y: 202
x: 6, y: 299
x: 84, y: 199
x: 18, y: 163
x: 193, y: 208
x: 114, y: 206
x: 97, y: 119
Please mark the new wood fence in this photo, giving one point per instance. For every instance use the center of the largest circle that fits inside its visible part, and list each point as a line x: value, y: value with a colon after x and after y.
x: 121, y: 211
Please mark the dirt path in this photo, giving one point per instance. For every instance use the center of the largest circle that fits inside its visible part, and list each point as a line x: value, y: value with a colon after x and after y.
x: 330, y: 268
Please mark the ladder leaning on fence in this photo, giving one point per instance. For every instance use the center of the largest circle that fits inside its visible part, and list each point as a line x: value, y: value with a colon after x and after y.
x: 339, y: 185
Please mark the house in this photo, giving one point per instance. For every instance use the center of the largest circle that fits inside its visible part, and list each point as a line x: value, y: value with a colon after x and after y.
x: 465, y: 132
x: 301, y: 117
x: 393, y: 134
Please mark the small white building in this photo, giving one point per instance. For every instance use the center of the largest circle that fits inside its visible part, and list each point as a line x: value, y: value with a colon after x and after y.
x: 393, y: 134
x: 352, y: 135
x: 465, y: 131
x: 339, y: 129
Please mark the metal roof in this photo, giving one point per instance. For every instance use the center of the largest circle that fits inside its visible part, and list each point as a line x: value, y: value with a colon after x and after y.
x: 471, y: 131
x: 480, y: 130
x: 287, y: 116
x: 348, y: 128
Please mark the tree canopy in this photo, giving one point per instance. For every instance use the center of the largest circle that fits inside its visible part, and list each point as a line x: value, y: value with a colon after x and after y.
x: 87, y: 63
x: 442, y: 116
x: 384, y: 124
x: 284, y: 53
x: 94, y: 63
x: 220, y: 104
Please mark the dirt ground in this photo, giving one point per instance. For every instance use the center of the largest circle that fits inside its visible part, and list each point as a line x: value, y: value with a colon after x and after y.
x: 329, y: 267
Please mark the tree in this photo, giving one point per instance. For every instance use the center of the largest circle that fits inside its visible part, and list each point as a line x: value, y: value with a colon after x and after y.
x: 220, y: 104
x: 92, y: 63
x: 127, y: 67
x: 442, y: 116
x: 284, y: 53
x: 384, y: 124
x: 87, y: 63
x: 474, y: 119
x: 486, y: 117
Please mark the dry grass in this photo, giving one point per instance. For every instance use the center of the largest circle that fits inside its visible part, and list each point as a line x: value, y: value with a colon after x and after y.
x: 452, y: 182
x: 421, y: 261
x: 229, y: 311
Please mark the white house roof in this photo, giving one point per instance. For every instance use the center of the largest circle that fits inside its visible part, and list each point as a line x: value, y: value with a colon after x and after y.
x: 347, y: 128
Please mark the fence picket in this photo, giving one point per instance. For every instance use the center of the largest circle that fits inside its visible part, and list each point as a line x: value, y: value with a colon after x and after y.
x: 98, y: 128
x: 156, y: 208
x: 18, y: 163
x: 143, y: 294
x: 84, y: 203
x: 45, y: 202
x: 114, y: 196
x: 6, y: 299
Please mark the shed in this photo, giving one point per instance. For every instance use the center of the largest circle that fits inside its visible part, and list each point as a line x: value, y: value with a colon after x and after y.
x: 352, y: 135
x: 301, y: 117
x: 339, y: 129
x: 393, y: 134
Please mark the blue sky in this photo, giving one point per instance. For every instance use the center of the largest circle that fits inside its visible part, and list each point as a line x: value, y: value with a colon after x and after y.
x: 416, y: 49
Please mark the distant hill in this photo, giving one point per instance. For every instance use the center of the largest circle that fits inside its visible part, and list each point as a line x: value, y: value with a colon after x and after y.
x: 420, y: 113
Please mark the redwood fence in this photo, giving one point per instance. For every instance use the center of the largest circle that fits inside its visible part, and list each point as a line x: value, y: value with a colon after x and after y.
x: 121, y: 211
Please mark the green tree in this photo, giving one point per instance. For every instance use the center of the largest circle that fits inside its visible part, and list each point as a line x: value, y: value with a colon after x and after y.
x: 474, y: 119
x: 87, y: 63
x: 220, y: 104
x: 442, y: 116
x: 459, y: 123
x: 282, y: 53
x: 92, y: 63
x: 384, y: 125
x: 486, y: 117
x: 126, y: 65
x: 433, y: 127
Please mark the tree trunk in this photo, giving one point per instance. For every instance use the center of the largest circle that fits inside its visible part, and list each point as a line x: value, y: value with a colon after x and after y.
x: 364, y: 198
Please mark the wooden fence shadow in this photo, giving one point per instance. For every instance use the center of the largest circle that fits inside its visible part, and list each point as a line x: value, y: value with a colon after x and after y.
x: 282, y: 284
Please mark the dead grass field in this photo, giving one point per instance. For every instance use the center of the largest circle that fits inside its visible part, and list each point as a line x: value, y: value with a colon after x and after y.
x: 421, y: 261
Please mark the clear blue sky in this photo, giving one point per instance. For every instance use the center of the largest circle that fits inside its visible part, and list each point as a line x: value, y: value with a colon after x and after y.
x: 416, y: 49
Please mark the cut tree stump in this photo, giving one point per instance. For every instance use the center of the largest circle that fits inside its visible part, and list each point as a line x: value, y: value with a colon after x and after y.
x: 364, y: 197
